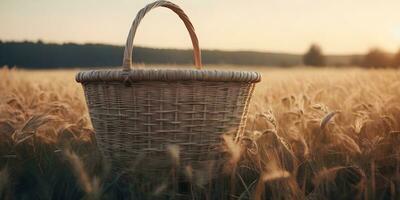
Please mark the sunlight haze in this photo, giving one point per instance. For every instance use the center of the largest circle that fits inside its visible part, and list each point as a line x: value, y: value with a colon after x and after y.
x: 340, y: 26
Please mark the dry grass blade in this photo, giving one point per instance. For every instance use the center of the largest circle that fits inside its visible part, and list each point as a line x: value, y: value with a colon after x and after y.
x: 23, y: 139
x: 160, y: 189
x: 274, y: 172
x: 343, y: 182
x: 30, y: 127
x: 35, y: 122
x: 189, y: 173
x: 269, y: 116
x: 250, y: 145
x: 326, y: 175
x: 394, y: 133
x: 173, y: 151
x: 90, y: 186
x: 347, y: 143
x: 275, y: 175
x: 233, y: 148
x: 327, y: 119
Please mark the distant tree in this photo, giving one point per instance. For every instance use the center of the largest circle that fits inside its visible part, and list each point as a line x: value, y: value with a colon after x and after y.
x: 396, y: 60
x: 376, y: 58
x: 314, y: 56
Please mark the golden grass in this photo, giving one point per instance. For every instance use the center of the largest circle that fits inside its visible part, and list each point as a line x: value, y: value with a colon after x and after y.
x: 311, y: 133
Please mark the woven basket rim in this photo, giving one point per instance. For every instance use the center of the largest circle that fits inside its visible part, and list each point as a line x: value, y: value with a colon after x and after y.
x: 167, y: 75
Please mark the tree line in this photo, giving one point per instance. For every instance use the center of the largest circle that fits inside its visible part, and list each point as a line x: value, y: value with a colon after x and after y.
x: 374, y: 58
x: 39, y: 54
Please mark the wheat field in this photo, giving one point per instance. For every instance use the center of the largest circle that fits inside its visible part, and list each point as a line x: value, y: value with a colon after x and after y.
x: 312, y: 133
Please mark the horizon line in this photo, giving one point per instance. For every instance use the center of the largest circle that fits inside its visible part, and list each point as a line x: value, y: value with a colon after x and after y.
x: 203, y: 49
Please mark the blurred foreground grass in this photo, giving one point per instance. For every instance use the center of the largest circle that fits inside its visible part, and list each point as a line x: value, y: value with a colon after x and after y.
x: 311, y: 133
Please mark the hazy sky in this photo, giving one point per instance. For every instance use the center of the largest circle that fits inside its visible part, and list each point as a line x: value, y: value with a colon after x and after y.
x: 339, y: 26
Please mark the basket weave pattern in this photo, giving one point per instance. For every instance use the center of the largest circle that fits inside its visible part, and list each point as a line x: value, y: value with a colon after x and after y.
x: 146, y: 117
x: 138, y: 113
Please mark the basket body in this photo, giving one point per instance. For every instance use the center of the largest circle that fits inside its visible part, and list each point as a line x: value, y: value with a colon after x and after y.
x: 142, y: 116
x: 136, y: 123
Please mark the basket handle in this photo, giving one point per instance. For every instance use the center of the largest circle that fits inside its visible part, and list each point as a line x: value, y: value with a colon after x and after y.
x: 127, y: 62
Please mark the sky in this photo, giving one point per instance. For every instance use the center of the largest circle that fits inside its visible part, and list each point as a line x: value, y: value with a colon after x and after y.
x: 338, y: 26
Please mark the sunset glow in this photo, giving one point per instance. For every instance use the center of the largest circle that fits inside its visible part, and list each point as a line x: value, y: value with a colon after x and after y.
x: 340, y: 26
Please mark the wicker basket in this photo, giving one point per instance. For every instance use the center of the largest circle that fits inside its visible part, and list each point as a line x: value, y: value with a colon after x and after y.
x: 138, y: 113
